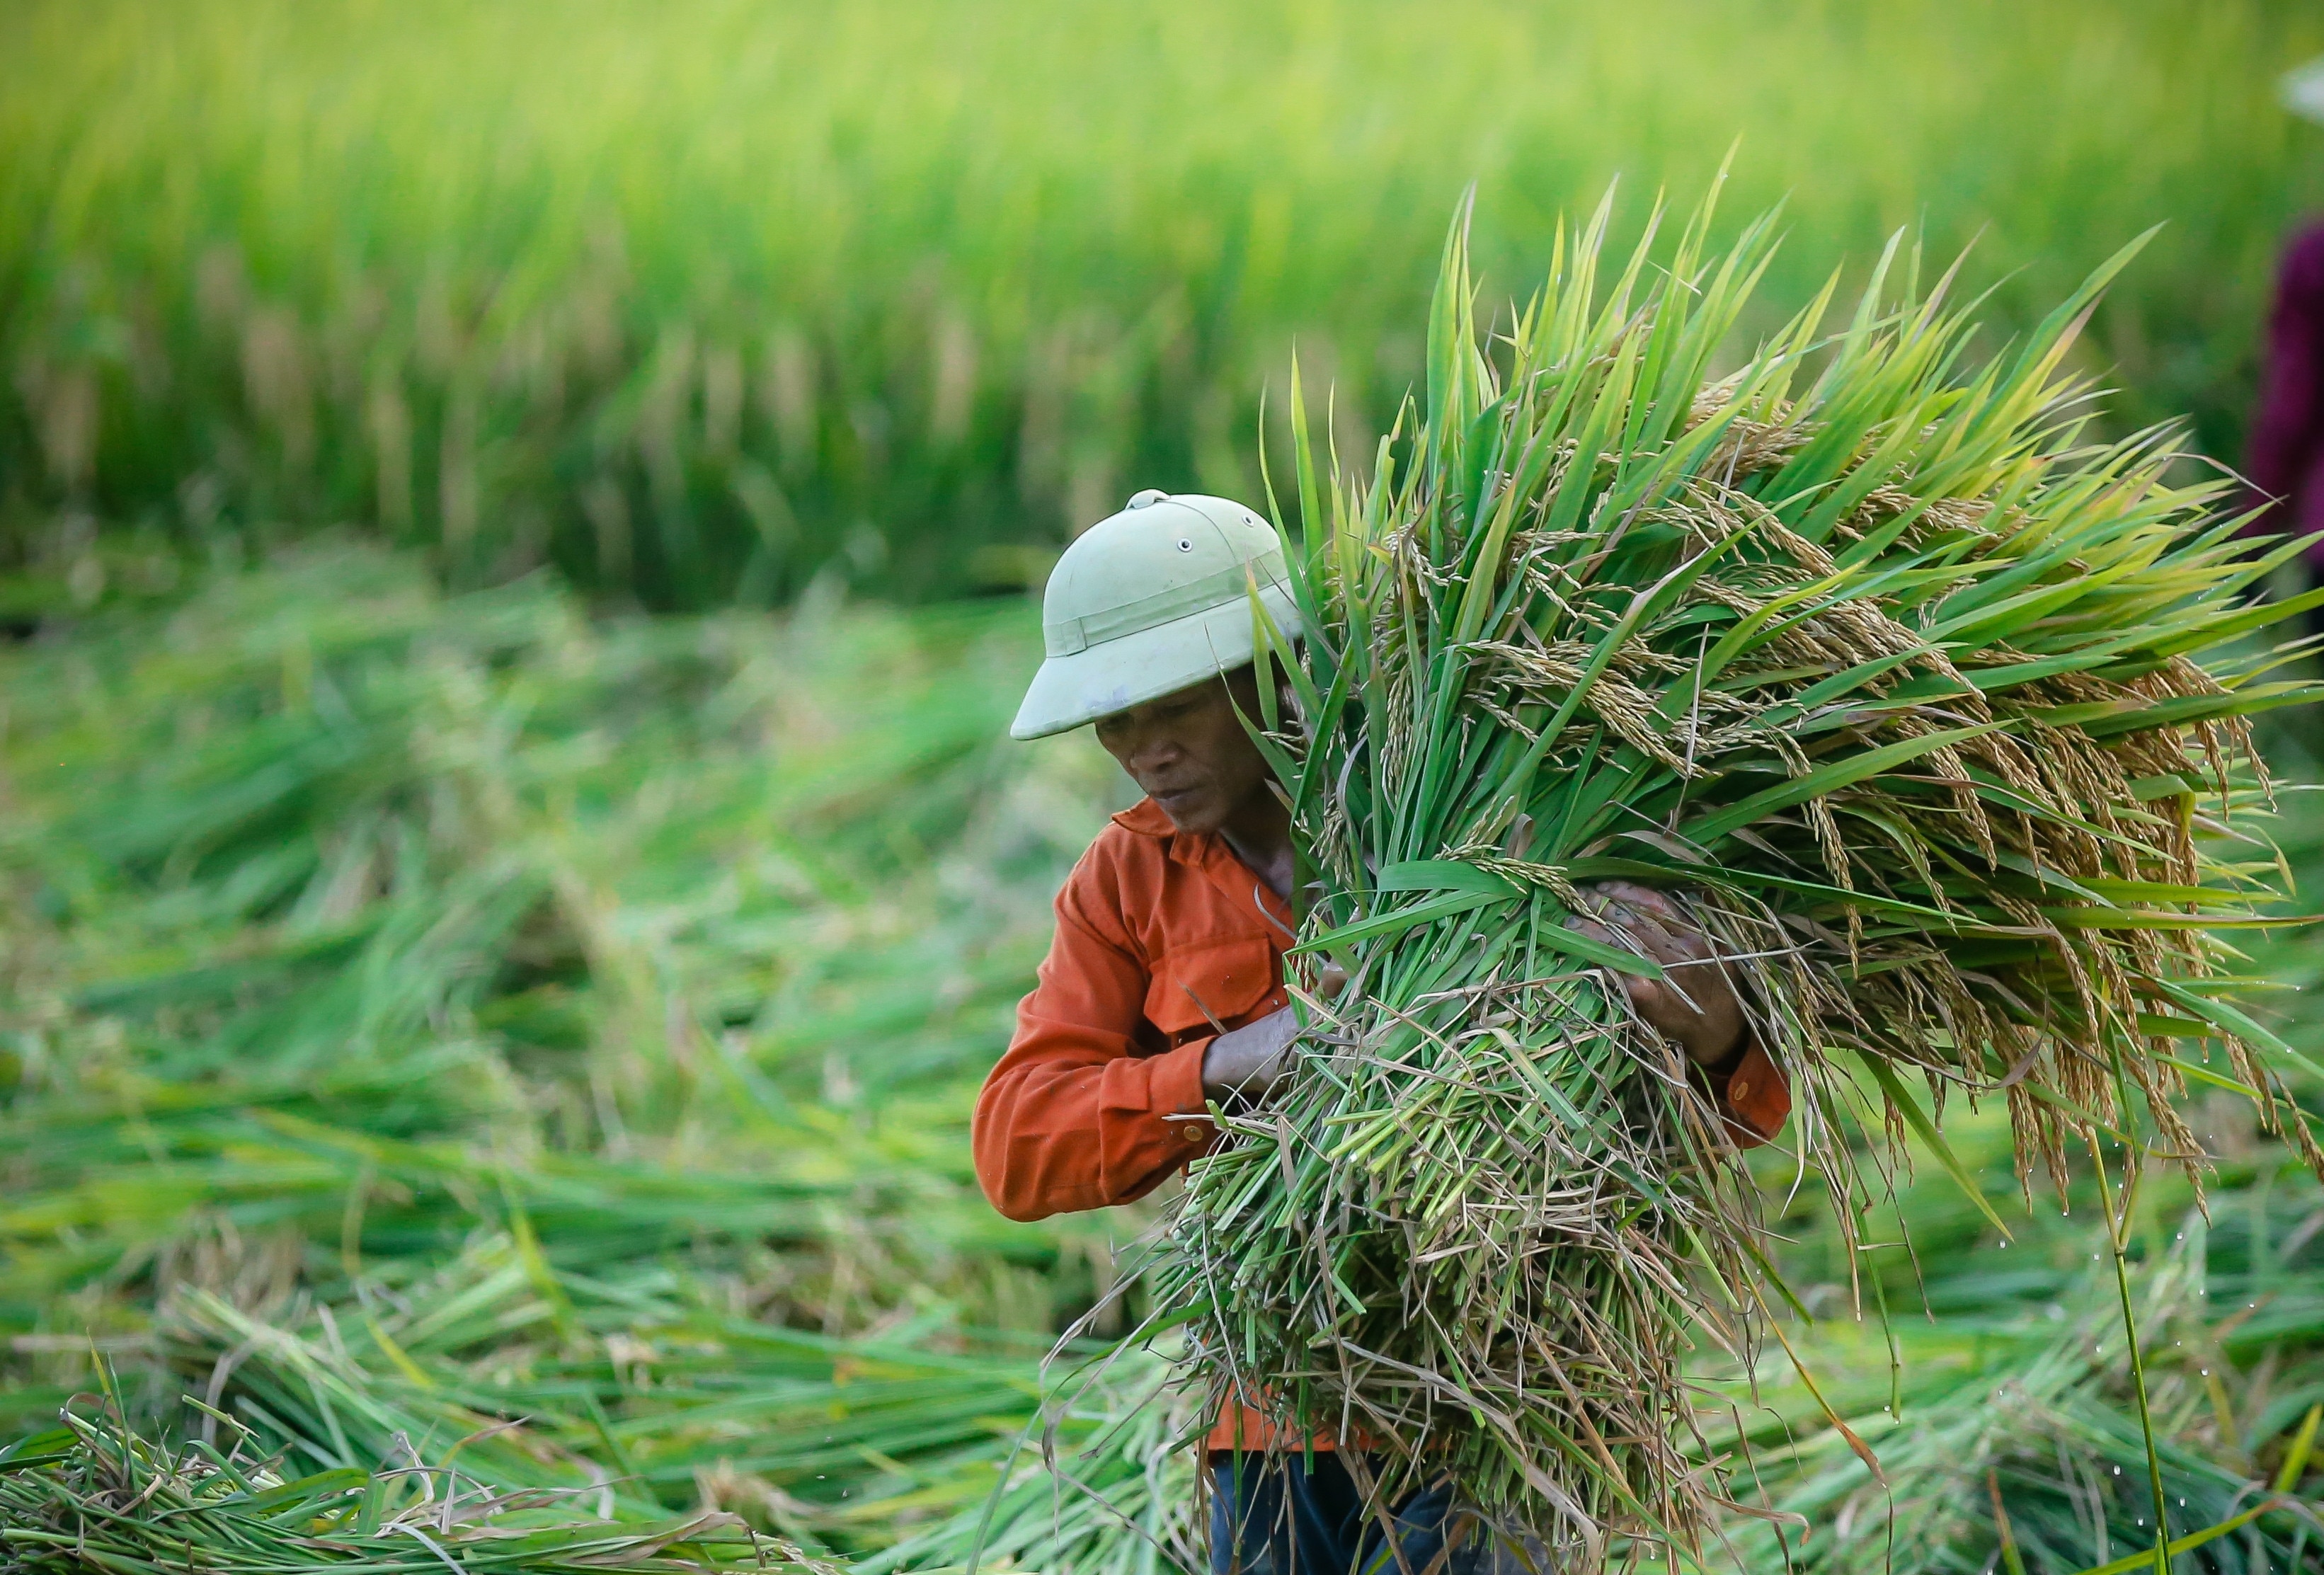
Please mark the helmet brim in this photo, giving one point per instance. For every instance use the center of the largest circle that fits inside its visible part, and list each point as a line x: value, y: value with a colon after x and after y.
x: 1071, y: 691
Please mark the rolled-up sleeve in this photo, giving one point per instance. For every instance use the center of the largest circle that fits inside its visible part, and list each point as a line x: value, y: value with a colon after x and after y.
x: 1075, y: 1116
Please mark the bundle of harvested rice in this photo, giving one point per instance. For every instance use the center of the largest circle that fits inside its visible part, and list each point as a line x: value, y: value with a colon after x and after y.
x: 1866, y: 653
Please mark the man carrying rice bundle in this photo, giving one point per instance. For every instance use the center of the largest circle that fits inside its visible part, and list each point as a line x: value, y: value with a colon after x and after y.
x: 1164, y: 993
x: 1933, y: 712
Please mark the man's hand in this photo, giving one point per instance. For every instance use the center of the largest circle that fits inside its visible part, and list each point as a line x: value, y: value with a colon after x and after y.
x: 1247, y: 1062
x: 1694, y: 1003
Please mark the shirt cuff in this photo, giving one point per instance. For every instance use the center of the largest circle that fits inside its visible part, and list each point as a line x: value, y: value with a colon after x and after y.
x: 1173, y: 1091
x: 1757, y: 1098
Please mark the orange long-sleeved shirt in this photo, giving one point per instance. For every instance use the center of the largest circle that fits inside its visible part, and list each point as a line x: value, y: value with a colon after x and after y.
x: 1160, y: 935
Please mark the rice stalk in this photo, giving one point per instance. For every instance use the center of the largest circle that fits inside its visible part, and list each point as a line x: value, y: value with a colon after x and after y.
x: 1099, y: 1483
x: 630, y: 1391
x: 2031, y: 1437
x: 91, y: 1495
x: 341, y: 915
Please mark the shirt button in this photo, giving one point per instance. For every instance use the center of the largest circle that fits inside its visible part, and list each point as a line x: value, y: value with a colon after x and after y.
x: 1740, y: 1089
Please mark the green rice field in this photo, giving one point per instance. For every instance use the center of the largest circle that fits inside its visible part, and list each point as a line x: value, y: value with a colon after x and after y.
x: 420, y: 1011
x: 515, y: 522
x: 701, y: 299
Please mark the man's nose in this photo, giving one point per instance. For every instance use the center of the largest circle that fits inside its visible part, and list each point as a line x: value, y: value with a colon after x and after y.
x: 1154, y: 750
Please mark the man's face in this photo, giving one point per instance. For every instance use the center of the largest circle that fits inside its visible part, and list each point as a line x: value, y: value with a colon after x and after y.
x: 1188, y: 750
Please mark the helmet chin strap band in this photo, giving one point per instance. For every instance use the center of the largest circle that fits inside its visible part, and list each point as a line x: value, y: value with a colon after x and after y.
x: 1075, y: 635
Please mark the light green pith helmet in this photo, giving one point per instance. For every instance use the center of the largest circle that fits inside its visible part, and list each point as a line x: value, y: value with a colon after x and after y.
x: 1149, y: 601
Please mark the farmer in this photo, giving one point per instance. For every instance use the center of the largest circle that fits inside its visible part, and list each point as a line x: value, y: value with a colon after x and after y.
x: 1163, y: 992
x: 2285, y: 465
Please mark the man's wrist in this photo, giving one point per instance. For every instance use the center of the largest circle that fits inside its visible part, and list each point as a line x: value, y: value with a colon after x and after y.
x: 1728, y: 1064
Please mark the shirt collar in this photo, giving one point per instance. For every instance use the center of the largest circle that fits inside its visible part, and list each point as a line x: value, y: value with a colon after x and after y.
x: 1206, y: 853
x: 1147, y: 819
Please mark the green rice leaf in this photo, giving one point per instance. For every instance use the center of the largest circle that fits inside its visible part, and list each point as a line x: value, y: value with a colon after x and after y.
x: 1707, y: 829
x: 1901, y: 1101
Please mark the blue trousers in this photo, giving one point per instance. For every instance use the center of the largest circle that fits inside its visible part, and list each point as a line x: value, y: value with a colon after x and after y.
x: 1304, y: 1515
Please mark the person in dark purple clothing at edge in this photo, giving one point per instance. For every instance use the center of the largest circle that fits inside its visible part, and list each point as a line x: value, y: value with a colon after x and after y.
x: 2285, y: 463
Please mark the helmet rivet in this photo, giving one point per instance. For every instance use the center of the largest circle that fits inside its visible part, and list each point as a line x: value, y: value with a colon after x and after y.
x: 1185, y: 545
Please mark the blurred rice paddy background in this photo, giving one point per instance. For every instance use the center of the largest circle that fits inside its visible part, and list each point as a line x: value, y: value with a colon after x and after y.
x: 699, y: 300
x: 508, y: 873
